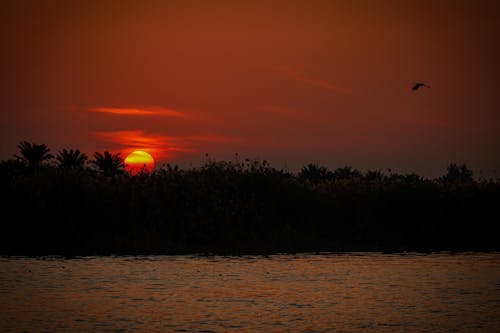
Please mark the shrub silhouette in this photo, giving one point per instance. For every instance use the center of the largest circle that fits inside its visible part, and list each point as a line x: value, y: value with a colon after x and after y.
x: 315, y: 174
x: 11, y: 167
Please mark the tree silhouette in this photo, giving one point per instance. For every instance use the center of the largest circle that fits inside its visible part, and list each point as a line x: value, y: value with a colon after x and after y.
x: 374, y: 175
x: 346, y: 172
x: 239, y: 207
x: 109, y: 164
x: 72, y: 159
x: 33, y: 155
x: 458, y: 174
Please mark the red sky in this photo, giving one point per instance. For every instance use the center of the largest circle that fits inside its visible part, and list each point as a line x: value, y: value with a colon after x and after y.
x: 292, y: 82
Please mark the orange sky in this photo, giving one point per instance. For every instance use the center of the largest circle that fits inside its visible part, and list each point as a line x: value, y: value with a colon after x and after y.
x: 292, y: 82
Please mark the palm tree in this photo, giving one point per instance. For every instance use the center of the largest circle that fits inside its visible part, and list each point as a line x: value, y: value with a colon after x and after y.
x: 72, y: 159
x: 109, y: 164
x: 32, y: 154
x: 346, y: 172
x: 374, y: 175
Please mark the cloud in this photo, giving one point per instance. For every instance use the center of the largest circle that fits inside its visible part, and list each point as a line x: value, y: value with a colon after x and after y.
x: 158, y: 145
x: 324, y: 84
x: 144, y: 111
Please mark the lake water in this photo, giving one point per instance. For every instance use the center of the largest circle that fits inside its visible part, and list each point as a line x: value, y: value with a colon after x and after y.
x: 280, y: 293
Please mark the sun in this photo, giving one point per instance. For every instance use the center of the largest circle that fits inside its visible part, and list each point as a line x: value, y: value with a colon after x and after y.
x: 139, y: 161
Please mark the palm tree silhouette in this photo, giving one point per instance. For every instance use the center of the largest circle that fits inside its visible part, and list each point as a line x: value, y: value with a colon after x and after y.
x: 109, y: 164
x: 32, y: 154
x: 346, y: 172
x: 72, y: 159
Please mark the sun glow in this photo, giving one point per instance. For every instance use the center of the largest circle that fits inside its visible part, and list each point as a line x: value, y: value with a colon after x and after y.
x: 139, y: 161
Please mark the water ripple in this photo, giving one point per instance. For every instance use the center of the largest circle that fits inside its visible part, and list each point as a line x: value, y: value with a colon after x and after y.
x: 356, y: 292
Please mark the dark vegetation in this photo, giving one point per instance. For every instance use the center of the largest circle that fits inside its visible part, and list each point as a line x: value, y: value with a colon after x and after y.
x: 68, y: 205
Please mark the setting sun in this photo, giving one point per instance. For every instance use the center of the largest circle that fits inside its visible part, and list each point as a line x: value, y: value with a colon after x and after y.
x: 139, y: 161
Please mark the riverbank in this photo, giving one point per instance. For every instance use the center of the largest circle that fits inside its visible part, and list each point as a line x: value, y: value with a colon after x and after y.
x: 225, y: 208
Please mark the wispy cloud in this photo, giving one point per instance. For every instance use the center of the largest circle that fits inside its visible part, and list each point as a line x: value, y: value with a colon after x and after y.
x: 320, y: 83
x: 143, y: 111
x: 158, y: 145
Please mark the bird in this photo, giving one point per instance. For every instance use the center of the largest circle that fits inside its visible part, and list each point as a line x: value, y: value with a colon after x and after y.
x: 418, y: 85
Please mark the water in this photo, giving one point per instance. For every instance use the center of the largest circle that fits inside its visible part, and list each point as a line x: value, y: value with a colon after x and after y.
x: 282, y: 293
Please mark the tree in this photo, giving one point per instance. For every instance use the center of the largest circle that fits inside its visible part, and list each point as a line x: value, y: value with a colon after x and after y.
x: 346, y: 172
x: 458, y: 174
x: 374, y: 175
x: 109, y: 164
x: 33, y: 155
x: 72, y: 159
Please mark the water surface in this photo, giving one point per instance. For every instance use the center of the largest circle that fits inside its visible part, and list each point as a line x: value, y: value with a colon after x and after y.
x: 282, y: 293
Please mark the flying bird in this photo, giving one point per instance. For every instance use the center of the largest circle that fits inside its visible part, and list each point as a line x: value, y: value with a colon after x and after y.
x: 418, y: 85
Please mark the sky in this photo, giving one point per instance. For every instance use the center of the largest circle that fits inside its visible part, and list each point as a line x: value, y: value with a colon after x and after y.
x: 291, y: 82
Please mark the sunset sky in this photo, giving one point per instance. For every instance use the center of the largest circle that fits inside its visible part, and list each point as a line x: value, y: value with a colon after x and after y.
x: 293, y: 82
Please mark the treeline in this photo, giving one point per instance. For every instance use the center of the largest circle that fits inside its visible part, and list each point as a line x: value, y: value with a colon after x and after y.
x: 236, y: 207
